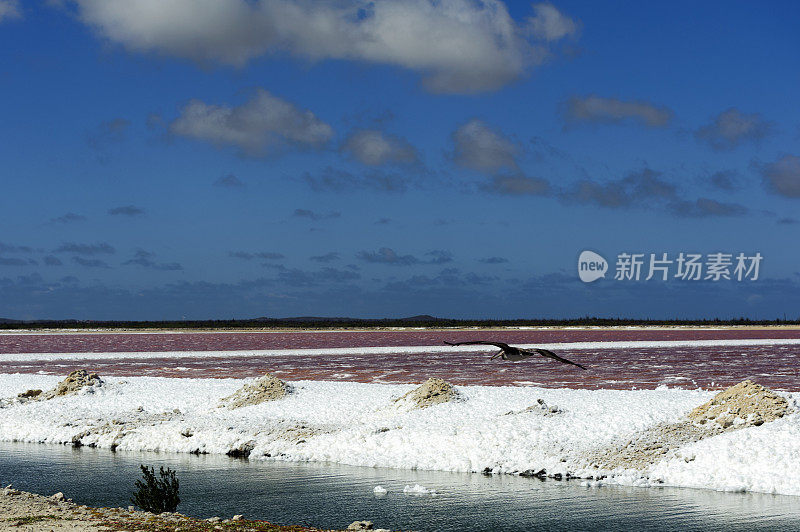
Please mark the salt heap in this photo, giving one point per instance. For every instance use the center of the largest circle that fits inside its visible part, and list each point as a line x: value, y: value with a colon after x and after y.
x: 266, y: 388
x: 75, y: 382
x: 746, y: 404
x: 431, y: 392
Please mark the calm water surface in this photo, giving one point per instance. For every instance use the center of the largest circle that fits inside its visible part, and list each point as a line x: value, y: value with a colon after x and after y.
x: 333, y: 496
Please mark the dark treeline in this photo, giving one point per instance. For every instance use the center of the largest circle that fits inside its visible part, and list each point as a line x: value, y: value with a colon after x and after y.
x: 415, y: 321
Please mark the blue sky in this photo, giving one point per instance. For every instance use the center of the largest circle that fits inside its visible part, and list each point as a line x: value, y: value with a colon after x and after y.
x: 209, y: 159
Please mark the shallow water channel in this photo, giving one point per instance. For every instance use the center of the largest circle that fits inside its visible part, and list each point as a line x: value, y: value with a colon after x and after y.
x: 332, y: 496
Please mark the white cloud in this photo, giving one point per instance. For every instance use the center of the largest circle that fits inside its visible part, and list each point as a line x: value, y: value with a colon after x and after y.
x: 9, y: 9
x: 549, y: 24
x: 254, y: 127
x: 459, y: 46
x: 594, y: 109
x: 479, y: 147
x: 374, y: 148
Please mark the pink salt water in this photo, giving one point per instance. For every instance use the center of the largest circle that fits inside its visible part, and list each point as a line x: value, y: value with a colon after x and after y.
x: 628, y: 368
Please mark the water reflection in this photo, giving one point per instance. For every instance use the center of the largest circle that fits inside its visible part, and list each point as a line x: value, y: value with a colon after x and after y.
x: 324, y: 495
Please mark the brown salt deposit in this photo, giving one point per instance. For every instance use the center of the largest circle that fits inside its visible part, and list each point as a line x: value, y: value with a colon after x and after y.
x: 743, y: 405
x: 266, y: 388
x: 431, y: 392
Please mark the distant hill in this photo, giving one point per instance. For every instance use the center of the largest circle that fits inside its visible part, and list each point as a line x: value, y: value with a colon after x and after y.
x: 6, y: 320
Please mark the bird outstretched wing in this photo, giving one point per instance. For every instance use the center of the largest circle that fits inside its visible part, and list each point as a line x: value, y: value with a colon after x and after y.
x: 501, y: 345
x: 550, y: 354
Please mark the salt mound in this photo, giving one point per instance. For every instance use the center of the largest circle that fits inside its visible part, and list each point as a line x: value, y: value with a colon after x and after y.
x: 76, y: 381
x: 431, y: 392
x: 746, y: 404
x: 266, y: 388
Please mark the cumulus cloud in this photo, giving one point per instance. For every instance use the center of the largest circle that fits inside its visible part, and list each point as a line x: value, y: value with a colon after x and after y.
x: 86, y: 249
x: 517, y: 185
x: 375, y: 148
x: 126, y: 210
x: 387, y: 256
x: 731, y: 128
x: 459, y: 46
x: 783, y: 176
x: 480, y: 147
x: 9, y: 9
x: 266, y: 255
x: 703, y: 207
x: 228, y: 181
x: 336, y: 180
x: 145, y: 259
x: 262, y: 123
x: 316, y: 216
x: 597, y: 110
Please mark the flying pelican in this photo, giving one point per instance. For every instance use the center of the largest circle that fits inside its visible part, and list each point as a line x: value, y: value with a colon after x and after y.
x: 516, y: 354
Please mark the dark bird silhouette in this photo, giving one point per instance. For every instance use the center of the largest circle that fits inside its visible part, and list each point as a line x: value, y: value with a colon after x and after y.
x: 515, y: 354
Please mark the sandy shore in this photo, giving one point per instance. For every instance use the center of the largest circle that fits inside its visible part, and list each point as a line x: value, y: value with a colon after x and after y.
x: 20, y: 510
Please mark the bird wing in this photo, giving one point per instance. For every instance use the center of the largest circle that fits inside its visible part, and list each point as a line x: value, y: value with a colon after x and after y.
x: 550, y: 354
x: 501, y: 345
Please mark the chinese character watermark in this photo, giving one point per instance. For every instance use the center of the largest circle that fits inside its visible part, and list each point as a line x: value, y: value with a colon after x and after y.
x: 663, y: 266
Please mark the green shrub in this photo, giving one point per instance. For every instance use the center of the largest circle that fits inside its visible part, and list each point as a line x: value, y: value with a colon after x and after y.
x: 157, y: 495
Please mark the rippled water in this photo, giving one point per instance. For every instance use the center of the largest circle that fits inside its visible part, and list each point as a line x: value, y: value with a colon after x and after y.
x: 619, y: 368
x: 333, y: 496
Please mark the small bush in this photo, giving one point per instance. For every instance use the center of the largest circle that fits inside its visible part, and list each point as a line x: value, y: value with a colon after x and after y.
x: 157, y: 495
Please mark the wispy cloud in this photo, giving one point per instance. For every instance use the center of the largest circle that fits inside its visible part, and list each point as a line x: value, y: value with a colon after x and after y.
x: 327, y: 257
x: 126, y: 210
x: 90, y: 263
x: 493, y: 260
x: 265, y: 255
x: 109, y: 132
x: 257, y: 127
x: 387, y: 256
x: 731, y: 128
x: 50, y: 260
x: 228, y: 181
x: 598, y: 110
x: 145, y: 259
x: 376, y: 148
x: 783, y: 176
x: 335, y: 180
x: 517, y: 185
x: 703, y: 207
x: 68, y: 218
x: 13, y: 248
x: 480, y: 147
x: 86, y: 249
x: 9, y: 9
x: 316, y: 216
